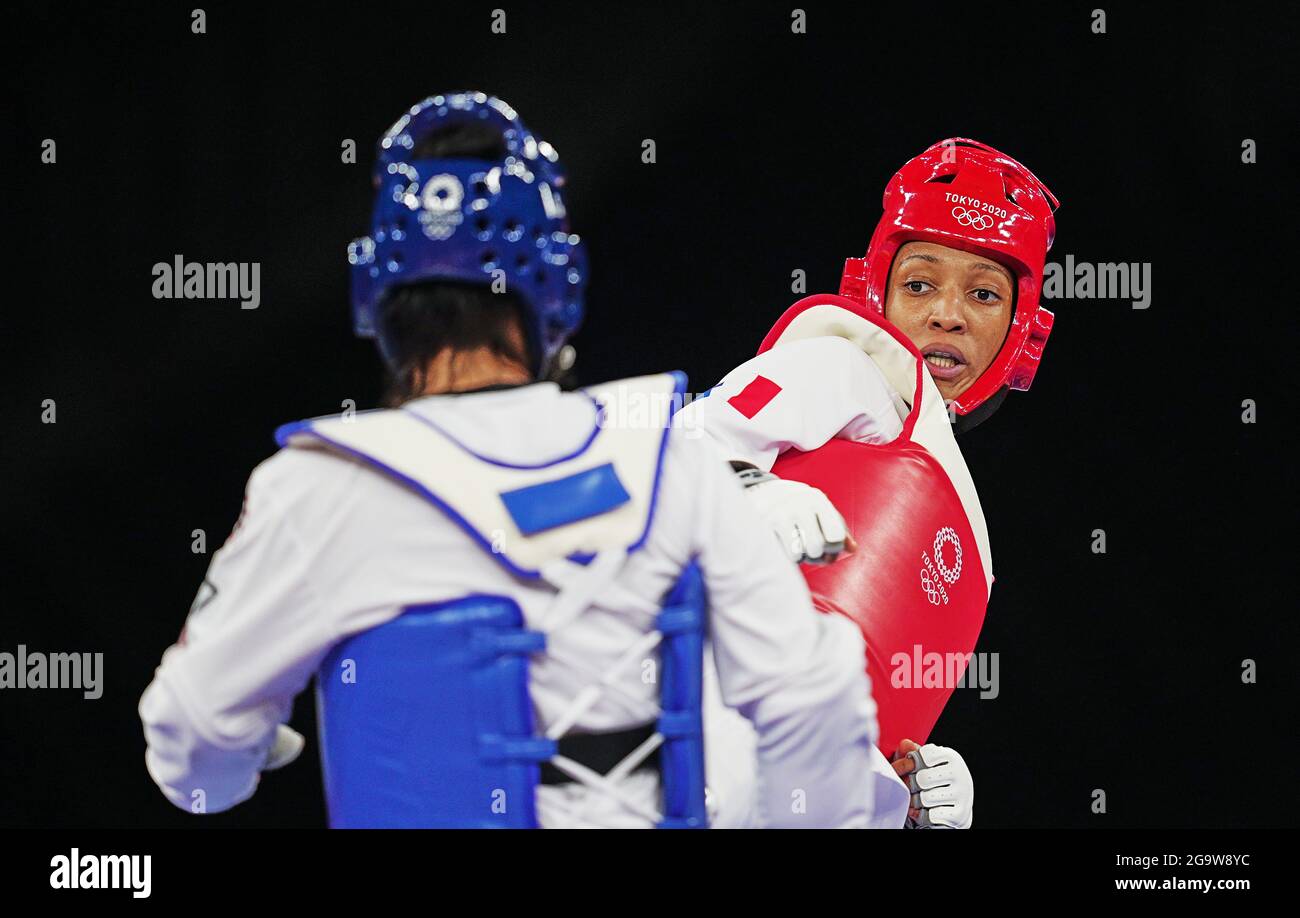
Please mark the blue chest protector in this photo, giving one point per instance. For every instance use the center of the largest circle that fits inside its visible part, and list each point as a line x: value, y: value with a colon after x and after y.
x: 426, y: 721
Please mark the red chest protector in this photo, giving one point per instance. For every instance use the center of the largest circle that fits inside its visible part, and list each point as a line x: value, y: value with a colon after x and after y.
x: 918, y: 585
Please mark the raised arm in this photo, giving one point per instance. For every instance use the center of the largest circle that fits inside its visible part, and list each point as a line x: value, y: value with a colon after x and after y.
x: 797, y: 395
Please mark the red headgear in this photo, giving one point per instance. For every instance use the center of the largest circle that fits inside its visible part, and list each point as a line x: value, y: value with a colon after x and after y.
x: 966, y: 195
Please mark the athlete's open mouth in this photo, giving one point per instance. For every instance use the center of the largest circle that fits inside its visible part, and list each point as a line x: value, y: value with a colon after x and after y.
x: 944, y: 360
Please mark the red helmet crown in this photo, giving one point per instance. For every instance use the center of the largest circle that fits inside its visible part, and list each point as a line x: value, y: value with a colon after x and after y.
x: 967, y: 195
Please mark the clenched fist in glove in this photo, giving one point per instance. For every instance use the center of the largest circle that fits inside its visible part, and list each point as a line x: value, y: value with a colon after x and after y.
x: 943, y: 791
x: 286, y: 746
x: 804, y: 520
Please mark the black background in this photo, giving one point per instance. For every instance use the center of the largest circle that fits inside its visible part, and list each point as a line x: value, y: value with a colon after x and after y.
x: 1118, y: 671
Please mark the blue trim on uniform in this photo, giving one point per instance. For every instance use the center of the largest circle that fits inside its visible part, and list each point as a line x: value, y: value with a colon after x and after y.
x: 285, y: 431
x: 537, y: 508
x: 591, y: 438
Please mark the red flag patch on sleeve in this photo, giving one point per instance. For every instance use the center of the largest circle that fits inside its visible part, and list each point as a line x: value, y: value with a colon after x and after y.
x: 754, y: 397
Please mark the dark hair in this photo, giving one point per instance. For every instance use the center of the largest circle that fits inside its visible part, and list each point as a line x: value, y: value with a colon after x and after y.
x: 466, y: 140
x: 417, y: 321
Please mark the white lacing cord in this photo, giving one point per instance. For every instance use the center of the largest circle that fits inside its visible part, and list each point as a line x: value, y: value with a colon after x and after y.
x: 587, y: 698
x: 620, y: 771
x: 578, y: 587
x: 603, y: 783
x: 635, y: 757
x: 638, y: 708
x: 603, y: 591
x: 619, y: 599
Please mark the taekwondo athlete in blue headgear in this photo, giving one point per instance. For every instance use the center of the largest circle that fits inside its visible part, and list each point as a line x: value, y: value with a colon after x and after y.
x: 502, y: 588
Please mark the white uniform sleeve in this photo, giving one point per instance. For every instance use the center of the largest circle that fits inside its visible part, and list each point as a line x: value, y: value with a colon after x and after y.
x: 799, y: 394
x: 730, y: 752
x: 798, y: 676
x: 253, y: 639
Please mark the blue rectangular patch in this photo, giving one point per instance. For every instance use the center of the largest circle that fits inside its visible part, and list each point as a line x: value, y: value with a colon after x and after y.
x: 539, y: 507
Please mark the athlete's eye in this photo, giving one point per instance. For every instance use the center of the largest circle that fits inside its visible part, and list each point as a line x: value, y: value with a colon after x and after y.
x: 985, y: 295
x: 915, y: 286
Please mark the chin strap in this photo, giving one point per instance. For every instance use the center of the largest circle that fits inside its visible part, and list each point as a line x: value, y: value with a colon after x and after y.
x: 559, y: 369
x: 964, y: 423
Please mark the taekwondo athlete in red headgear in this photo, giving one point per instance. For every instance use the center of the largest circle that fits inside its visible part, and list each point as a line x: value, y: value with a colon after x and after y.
x: 843, y: 403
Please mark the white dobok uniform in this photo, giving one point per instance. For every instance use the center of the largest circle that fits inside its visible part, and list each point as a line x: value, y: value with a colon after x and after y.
x: 799, y: 395
x: 327, y: 547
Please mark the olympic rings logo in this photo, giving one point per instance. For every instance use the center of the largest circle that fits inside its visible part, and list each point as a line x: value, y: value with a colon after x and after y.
x: 947, y: 536
x: 936, y: 572
x: 442, y: 196
x: 930, y: 587
x: 972, y: 218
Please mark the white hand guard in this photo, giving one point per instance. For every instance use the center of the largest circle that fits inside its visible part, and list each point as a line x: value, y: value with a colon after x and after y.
x: 287, y: 746
x: 942, y: 787
x: 804, y: 520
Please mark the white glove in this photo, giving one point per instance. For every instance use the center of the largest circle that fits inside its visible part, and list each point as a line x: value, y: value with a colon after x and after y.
x: 804, y: 520
x: 286, y: 747
x: 942, y: 788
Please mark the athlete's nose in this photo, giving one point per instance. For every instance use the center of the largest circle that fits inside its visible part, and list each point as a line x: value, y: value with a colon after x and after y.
x: 946, y: 314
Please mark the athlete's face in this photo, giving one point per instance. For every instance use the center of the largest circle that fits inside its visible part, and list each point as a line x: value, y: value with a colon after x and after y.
x: 954, y: 306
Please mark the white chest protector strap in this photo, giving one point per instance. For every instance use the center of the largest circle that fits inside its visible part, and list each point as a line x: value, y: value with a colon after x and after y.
x: 599, y: 497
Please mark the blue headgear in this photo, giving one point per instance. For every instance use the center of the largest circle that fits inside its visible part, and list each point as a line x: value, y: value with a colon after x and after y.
x: 466, y: 220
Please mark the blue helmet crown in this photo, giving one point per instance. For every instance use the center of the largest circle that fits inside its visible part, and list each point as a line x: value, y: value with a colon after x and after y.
x: 472, y: 221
